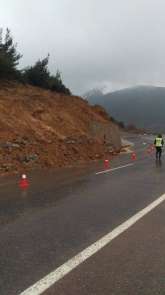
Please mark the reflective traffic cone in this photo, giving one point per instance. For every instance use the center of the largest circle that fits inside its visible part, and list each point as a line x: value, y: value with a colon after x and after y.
x: 24, y: 183
x: 106, y: 164
x: 152, y: 148
x: 149, y: 151
x: 133, y: 156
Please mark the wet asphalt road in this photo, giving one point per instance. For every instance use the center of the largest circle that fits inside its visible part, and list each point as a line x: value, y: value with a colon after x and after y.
x: 65, y: 211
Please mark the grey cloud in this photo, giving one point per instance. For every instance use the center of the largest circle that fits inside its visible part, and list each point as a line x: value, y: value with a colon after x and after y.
x: 110, y: 42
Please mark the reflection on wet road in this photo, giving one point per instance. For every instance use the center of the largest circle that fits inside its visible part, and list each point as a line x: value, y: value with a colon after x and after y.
x: 65, y: 211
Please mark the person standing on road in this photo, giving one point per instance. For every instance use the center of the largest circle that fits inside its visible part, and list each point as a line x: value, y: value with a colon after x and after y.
x: 159, y: 142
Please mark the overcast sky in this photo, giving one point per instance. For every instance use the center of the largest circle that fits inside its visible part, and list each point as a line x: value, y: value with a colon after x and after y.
x: 94, y: 43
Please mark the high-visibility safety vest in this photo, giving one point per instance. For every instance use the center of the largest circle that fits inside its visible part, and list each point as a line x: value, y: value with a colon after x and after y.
x: 158, y: 142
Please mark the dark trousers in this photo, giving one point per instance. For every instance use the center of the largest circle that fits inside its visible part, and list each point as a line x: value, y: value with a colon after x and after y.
x: 158, y: 152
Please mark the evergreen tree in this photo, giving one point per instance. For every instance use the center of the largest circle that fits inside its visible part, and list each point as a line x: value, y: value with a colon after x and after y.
x: 56, y: 84
x: 38, y: 75
x: 9, y: 57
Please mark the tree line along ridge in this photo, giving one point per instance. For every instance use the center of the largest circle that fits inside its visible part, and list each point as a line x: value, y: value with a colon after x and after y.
x: 36, y: 75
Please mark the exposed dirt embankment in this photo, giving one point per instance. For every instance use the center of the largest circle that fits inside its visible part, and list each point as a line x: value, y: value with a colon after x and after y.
x: 39, y: 128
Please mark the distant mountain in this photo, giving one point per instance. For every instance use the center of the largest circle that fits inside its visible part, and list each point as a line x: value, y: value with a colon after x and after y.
x: 143, y: 106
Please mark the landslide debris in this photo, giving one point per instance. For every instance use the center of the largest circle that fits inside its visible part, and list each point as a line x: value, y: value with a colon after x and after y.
x: 40, y: 128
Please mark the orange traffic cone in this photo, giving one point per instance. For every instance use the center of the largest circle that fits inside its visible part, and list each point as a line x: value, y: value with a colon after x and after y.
x: 106, y: 164
x: 152, y: 148
x: 149, y: 151
x: 24, y: 183
x: 133, y: 156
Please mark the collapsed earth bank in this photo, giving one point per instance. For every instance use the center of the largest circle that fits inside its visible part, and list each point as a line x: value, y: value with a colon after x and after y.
x: 40, y: 128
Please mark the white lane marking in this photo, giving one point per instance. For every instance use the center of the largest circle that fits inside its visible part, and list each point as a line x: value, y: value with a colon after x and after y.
x: 113, y: 169
x: 49, y: 280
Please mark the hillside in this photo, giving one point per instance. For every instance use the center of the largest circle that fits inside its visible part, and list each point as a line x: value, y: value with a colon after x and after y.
x: 143, y: 106
x: 40, y: 128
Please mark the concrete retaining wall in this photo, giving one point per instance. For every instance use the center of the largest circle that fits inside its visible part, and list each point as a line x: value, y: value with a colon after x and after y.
x: 108, y: 132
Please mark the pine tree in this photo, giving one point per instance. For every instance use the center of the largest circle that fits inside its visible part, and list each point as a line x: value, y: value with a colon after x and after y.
x: 9, y: 57
x: 38, y: 75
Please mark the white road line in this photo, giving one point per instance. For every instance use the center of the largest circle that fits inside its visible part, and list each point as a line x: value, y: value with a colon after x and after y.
x: 113, y: 169
x: 71, y: 264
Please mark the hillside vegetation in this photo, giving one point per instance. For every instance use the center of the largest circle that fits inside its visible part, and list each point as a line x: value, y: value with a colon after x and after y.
x: 36, y: 75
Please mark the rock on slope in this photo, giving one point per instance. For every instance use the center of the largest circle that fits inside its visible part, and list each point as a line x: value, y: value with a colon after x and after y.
x: 39, y: 128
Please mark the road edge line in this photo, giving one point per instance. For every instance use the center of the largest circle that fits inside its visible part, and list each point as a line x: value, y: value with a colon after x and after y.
x: 59, y: 273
